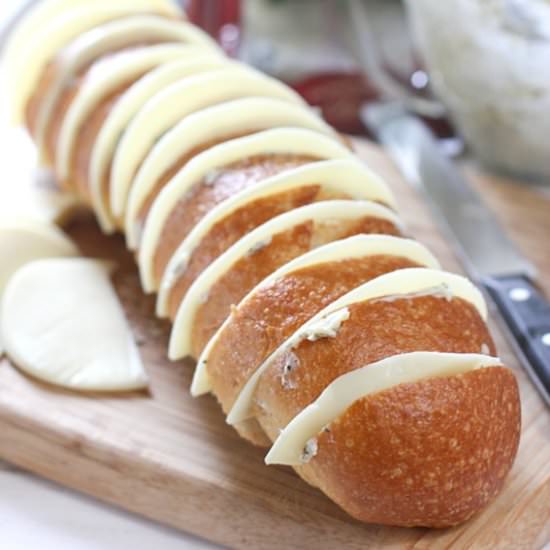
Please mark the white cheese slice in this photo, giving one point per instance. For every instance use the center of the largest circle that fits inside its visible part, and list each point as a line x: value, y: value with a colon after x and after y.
x: 295, y: 141
x: 358, y: 246
x: 180, y: 61
x: 346, y: 176
x: 205, y: 126
x: 397, y: 285
x: 108, y: 37
x: 164, y: 110
x: 35, y: 43
x: 106, y: 78
x: 22, y: 241
x: 332, y: 210
x: 292, y: 448
x: 61, y: 322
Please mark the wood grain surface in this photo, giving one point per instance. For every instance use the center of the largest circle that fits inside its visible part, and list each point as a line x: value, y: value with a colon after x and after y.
x: 172, y: 458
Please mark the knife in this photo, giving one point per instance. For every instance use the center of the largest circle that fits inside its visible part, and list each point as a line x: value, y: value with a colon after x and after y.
x: 489, y: 256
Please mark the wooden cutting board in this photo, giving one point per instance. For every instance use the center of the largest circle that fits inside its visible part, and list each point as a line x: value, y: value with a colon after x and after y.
x: 172, y: 458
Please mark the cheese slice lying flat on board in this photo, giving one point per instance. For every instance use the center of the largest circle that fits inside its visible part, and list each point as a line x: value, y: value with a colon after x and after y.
x: 180, y: 337
x: 109, y: 37
x: 163, y: 111
x: 180, y: 61
x: 22, y: 241
x: 61, y: 322
x: 345, y: 176
x: 297, y: 443
x: 358, y: 246
x: 36, y: 43
x: 109, y: 76
x: 295, y: 141
x: 249, y: 114
x: 397, y: 285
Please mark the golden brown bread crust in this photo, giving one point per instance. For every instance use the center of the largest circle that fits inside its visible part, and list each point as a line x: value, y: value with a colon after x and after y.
x: 230, y: 229
x: 247, y: 272
x: 185, y: 158
x: 375, y: 329
x: 87, y: 140
x: 431, y: 453
x: 177, y: 166
x: 84, y: 144
x: 226, y: 182
x: 236, y: 225
x: 275, y: 311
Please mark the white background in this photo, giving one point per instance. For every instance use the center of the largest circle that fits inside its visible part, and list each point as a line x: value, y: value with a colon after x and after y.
x: 36, y: 514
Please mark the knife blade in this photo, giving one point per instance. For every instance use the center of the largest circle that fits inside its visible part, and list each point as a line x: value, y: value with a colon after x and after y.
x: 489, y: 256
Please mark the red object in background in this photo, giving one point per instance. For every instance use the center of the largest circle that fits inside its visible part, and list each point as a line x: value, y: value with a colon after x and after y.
x: 221, y: 19
x: 339, y: 96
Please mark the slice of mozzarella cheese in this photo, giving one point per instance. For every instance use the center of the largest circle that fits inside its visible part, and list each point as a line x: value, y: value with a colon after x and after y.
x: 207, y: 126
x: 297, y: 443
x: 396, y: 285
x: 358, y: 246
x: 22, y: 241
x: 61, y: 322
x: 36, y: 43
x: 106, y: 79
x: 25, y: 240
x: 180, y: 339
x: 181, y: 61
x: 163, y: 111
x: 109, y: 37
x: 294, y: 141
x: 344, y: 176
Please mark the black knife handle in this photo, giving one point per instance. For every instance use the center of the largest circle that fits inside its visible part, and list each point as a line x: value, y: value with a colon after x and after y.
x: 527, y: 314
